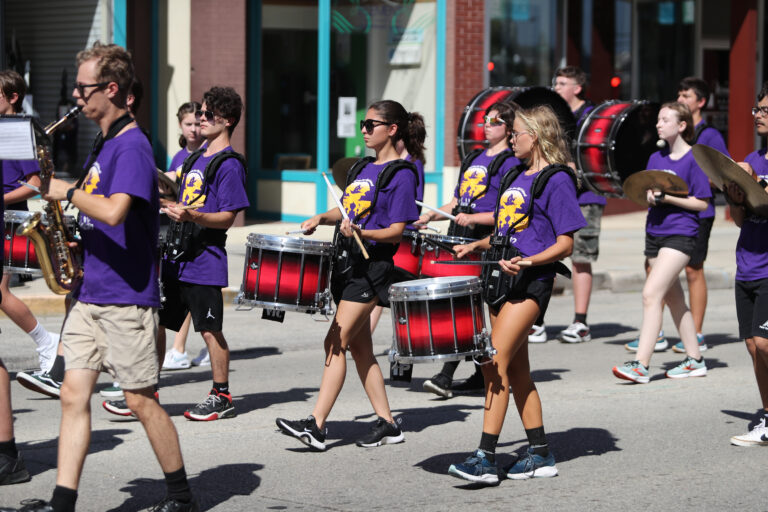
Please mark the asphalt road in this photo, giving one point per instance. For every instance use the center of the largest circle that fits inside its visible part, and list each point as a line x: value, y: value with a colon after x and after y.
x: 660, y: 446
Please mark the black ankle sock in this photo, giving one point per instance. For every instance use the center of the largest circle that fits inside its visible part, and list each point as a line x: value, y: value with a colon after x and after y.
x: 63, y: 499
x: 57, y: 370
x: 178, y: 486
x: 536, y: 436
x: 488, y: 445
x: 221, y: 387
x: 449, y: 368
x: 540, y: 320
x: 9, y: 448
x: 580, y: 317
x: 542, y: 450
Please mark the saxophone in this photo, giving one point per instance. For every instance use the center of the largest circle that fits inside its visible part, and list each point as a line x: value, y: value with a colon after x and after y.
x: 61, y: 264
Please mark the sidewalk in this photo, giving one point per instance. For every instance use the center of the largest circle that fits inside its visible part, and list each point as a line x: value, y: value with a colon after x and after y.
x: 619, y: 268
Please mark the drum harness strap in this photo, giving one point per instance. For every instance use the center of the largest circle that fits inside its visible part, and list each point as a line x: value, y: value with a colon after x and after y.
x: 493, y: 169
x: 697, y: 131
x: 189, y: 238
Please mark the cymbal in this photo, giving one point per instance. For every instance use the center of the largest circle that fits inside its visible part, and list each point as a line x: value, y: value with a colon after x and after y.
x: 340, y: 168
x: 170, y: 184
x: 722, y: 171
x: 636, y: 185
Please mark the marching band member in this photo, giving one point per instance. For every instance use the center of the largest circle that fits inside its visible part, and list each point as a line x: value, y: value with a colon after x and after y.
x: 671, y: 229
x: 380, y: 201
x: 537, y: 216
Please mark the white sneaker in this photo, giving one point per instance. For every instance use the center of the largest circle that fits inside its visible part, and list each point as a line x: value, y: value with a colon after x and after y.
x: 758, y: 436
x: 537, y: 334
x: 46, y: 354
x: 577, y: 332
x: 174, y: 360
x: 202, y: 359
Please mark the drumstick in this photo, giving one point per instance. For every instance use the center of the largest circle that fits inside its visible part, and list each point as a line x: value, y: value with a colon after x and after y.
x: 36, y: 189
x: 295, y: 232
x: 521, y: 263
x: 437, y: 210
x: 346, y: 217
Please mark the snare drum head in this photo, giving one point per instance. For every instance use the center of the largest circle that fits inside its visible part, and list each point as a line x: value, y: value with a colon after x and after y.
x: 288, y: 244
x: 434, y: 288
x: 450, y: 240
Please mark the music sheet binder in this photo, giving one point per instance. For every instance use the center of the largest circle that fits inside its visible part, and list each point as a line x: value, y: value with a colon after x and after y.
x: 17, y: 138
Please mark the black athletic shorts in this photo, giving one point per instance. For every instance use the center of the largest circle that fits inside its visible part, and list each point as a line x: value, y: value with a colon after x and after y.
x: 364, y: 281
x: 530, y: 287
x: 752, y: 308
x: 702, y: 241
x: 684, y: 244
x: 205, y: 302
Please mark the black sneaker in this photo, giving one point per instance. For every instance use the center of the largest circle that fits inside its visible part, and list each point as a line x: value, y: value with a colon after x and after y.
x: 216, y: 406
x: 40, y: 382
x: 32, y: 505
x: 471, y: 385
x: 172, y: 505
x: 13, y: 471
x: 305, y: 431
x: 118, y: 407
x: 440, y: 384
x: 383, y: 432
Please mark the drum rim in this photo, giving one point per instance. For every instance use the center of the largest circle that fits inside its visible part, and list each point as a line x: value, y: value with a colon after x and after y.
x: 458, y: 356
x: 442, y: 238
x: 435, y: 288
x: 281, y: 243
x: 282, y: 306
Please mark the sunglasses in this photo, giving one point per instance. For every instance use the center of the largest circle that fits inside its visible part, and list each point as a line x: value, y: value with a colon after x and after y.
x: 493, y: 121
x: 761, y: 110
x: 369, y: 124
x: 515, y: 135
x: 207, y: 114
x: 82, y: 87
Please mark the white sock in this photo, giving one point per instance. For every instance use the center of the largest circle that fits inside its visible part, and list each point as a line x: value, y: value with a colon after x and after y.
x: 40, y: 335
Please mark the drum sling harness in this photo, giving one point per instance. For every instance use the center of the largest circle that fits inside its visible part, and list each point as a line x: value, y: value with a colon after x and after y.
x: 187, y: 240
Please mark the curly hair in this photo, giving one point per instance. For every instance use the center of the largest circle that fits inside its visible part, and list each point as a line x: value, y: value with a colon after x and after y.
x: 550, y: 138
x: 224, y: 102
x: 114, y: 64
x: 683, y: 115
x: 12, y: 83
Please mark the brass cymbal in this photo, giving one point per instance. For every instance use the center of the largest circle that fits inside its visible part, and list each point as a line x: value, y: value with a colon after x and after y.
x: 636, y: 185
x: 722, y: 171
x: 340, y: 168
x: 169, y: 184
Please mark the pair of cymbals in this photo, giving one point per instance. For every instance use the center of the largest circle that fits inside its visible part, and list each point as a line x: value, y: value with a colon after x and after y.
x: 340, y: 168
x: 170, y: 186
x: 635, y: 187
x: 723, y: 171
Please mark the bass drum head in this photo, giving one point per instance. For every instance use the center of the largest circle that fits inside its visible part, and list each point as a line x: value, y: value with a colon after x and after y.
x: 636, y: 140
x: 470, y: 130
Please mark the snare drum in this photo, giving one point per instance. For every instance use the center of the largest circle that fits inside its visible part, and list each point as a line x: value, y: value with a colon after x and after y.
x: 436, y: 248
x: 287, y: 273
x: 616, y: 140
x: 438, y: 319
x: 19, y: 256
x: 408, y: 255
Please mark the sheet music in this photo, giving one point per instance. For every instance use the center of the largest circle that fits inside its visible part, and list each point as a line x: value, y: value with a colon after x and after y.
x: 17, y: 140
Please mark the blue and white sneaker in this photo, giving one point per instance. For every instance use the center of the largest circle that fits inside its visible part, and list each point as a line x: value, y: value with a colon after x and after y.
x: 632, y: 370
x: 680, y: 349
x: 688, y: 368
x: 661, y: 343
x: 477, y: 468
x: 532, y: 465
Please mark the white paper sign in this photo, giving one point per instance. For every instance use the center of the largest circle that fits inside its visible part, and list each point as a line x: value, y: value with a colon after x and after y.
x: 17, y: 140
x: 345, y: 123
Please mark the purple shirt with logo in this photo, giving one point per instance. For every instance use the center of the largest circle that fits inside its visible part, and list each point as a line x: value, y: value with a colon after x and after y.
x: 752, y: 247
x: 556, y: 212
x: 475, y: 179
x: 396, y: 202
x: 120, y: 262
x: 178, y: 160
x: 225, y: 193
x: 711, y: 137
x: 420, y: 168
x: 665, y: 219
x: 13, y: 171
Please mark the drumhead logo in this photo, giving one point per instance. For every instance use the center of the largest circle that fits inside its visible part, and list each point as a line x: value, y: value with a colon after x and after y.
x: 91, y: 182
x: 511, y: 210
x: 357, y: 197
x: 193, y: 186
x: 472, y: 183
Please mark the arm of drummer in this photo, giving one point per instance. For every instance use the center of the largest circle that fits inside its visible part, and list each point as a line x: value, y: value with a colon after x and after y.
x: 325, y: 219
x: 562, y: 248
x: 478, y: 245
x: 468, y: 219
x: 391, y: 235
x: 23, y: 193
x: 429, y: 215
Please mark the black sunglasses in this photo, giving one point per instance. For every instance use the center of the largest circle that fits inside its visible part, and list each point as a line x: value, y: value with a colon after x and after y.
x: 82, y: 87
x: 208, y: 114
x: 369, y: 124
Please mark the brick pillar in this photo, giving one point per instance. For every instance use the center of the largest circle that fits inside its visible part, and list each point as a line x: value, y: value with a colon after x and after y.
x: 742, y: 77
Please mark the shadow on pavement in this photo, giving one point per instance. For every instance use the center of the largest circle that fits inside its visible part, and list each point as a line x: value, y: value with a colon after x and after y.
x: 752, y: 417
x: 609, y: 330
x: 240, y: 479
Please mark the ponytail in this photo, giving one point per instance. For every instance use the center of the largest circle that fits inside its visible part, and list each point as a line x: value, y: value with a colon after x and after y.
x: 410, y: 126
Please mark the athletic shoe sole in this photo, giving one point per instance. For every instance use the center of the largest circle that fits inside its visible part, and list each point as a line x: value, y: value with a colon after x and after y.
x: 631, y: 378
x: 658, y: 347
x: 114, y: 410
x: 700, y: 372
x: 574, y: 339
x: 111, y: 394
x: 221, y: 415
x: 384, y: 440
x: 746, y: 442
x: 432, y: 388
x: 178, y: 366
x: 681, y: 350
x: 543, y: 472
x: 35, y: 385
x: 305, y: 437
x: 488, y: 478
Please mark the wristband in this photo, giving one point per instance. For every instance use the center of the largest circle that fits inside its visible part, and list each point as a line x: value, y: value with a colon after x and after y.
x: 70, y: 193
x: 659, y: 196
x: 763, y: 183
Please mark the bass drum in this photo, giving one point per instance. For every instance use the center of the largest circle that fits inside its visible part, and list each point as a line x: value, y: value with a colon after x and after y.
x: 471, y: 134
x: 616, y: 140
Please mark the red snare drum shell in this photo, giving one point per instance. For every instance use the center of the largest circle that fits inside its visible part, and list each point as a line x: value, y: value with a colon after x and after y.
x: 289, y: 283
x: 16, y: 250
x: 408, y: 254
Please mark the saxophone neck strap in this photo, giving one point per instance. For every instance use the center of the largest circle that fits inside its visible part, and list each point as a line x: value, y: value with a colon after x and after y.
x: 114, y: 128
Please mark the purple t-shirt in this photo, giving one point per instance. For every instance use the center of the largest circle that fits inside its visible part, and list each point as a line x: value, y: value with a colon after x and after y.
x: 120, y: 262
x: 226, y: 193
x: 665, y: 219
x: 13, y: 171
x: 556, y: 212
x: 711, y: 137
x: 752, y: 247
x: 475, y: 179
x: 420, y: 169
x: 396, y: 202
x: 178, y: 160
